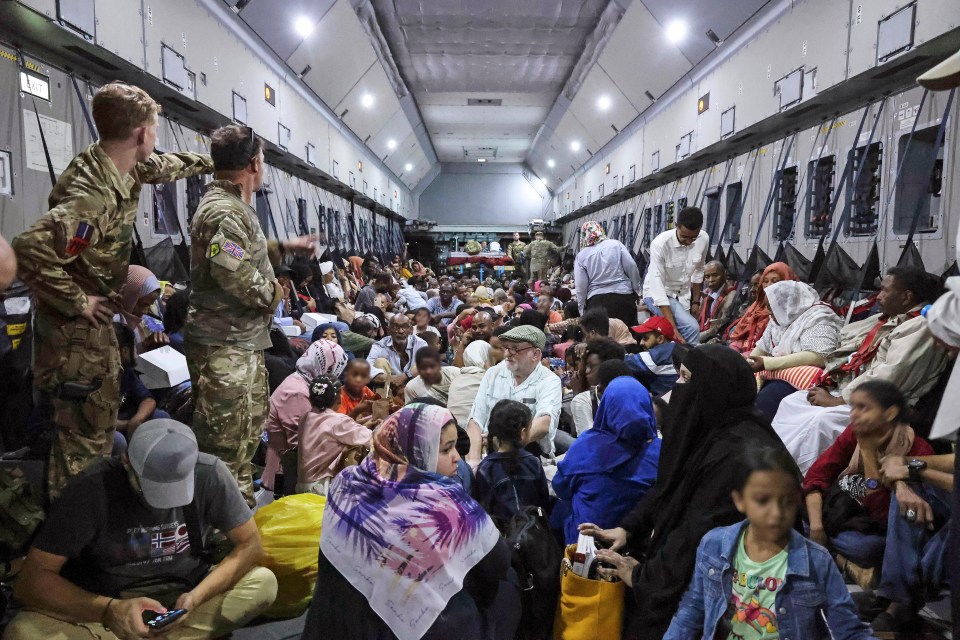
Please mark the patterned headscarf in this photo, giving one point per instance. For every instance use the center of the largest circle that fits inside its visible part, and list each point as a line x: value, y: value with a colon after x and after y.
x: 140, y: 282
x: 591, y: 233
x: 324, y: 391
x: 403, y: 535
x: 323, y: 356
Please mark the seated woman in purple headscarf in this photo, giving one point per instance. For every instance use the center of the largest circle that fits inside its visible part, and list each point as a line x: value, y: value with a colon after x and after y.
x: 405, y: 552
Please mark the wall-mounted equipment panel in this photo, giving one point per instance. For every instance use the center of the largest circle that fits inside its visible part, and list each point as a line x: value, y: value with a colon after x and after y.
x: 864, y: 215
x: 790, y: 89
x: 239, y: 108
x: 79, y: 15
x: 728, y: 122
x: 120, y: 29
x: 174, y: 69
x: 820, y: 177
x: 895, y: 33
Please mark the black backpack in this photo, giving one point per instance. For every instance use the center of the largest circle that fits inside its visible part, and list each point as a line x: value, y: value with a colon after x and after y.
x: 535, y: 555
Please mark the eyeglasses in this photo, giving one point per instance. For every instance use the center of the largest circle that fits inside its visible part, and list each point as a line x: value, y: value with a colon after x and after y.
x: 512, y: 351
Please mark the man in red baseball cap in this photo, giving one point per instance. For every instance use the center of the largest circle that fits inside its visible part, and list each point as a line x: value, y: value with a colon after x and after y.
x: 653, y: 366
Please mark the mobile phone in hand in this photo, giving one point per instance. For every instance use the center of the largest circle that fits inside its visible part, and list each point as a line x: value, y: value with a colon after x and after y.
x: 164, y: 619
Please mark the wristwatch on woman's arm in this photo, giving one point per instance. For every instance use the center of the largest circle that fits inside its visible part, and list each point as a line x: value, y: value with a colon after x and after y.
x: 915, y: 468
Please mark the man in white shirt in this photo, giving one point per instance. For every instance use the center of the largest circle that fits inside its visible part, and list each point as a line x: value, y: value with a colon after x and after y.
x: 519, y: 377
x: 411, y: 298
x: 675, y: 274
x: 393, y: 359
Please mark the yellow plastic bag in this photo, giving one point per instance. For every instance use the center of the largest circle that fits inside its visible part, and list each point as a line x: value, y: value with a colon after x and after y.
x: 589, y: 609
x: 290, y: 529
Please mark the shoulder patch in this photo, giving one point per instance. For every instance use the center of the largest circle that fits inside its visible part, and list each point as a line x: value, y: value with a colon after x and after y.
x: 233, y: 249
x: 214, y: 249
x: 80, y: 240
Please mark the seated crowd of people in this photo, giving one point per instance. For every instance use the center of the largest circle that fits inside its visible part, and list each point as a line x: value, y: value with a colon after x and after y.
x: 417, y: 400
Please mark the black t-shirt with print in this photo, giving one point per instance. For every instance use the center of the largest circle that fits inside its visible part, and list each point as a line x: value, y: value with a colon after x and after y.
x: 112, y: 538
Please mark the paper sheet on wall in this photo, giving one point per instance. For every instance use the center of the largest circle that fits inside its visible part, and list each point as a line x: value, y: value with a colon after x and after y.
x: 59, y: 136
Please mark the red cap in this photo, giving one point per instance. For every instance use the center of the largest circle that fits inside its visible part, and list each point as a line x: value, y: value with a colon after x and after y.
x: 657, y: 324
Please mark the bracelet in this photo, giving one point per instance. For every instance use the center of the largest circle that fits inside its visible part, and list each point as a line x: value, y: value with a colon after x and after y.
x: 106, y: 610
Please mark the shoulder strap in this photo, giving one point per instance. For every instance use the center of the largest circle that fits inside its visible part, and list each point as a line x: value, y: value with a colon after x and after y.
x: 192, y: 517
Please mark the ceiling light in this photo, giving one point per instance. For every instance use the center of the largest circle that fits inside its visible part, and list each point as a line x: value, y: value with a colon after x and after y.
x: 408, y: 167
x: 391, y: 144
x: 575, y: 145
x: 676, y: 31
x: 603, y: 103
x: 303, y: 26
x: 551, y: 163
x: 481, y: 159
x: 366, y: 100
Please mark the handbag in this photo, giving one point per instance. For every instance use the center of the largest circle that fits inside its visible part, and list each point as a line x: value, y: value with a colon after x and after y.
x: 588, y: 609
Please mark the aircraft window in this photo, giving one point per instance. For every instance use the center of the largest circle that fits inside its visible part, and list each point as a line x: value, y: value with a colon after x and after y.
x: 785, y: 208
x: 919, y: 194
x: 820, y: 191
x: 865, y: 195
x: 734, y: 211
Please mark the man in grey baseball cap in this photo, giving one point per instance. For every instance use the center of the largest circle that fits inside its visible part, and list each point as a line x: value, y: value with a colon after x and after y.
x: 523, y: 378
x: 126, y: 538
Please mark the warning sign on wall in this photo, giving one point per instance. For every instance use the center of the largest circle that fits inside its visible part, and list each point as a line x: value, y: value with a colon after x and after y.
x: 59, y: 137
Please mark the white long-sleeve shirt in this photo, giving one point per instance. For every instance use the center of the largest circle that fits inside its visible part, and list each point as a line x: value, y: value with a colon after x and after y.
x: 674, y: 268
x: 606, y: 267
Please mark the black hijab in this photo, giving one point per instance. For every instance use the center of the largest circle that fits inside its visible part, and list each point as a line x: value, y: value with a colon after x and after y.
x: 710, y: 422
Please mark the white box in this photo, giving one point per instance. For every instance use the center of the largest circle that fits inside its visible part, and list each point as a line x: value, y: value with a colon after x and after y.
x: 164, y: 367
x: 311, y: 320
x: 291, y: 330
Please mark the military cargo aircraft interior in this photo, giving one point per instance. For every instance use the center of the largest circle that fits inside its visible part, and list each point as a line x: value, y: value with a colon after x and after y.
x: 477, y: 319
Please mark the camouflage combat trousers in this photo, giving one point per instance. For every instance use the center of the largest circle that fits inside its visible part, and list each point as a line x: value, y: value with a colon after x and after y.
x: 231, y: 400
x: 83, y: 356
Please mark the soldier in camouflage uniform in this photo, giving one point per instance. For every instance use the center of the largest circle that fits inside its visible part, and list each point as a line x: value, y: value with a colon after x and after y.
x: 515, y: 251
x: 541, y: 254
x: 75, y: 260
x: 234, y: 295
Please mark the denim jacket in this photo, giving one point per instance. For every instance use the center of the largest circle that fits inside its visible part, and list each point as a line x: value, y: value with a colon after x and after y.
x: 812, y: 590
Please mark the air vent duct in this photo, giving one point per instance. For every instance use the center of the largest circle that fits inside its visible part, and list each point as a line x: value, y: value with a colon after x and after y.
x: 484, y: 102
x: 180, y: 104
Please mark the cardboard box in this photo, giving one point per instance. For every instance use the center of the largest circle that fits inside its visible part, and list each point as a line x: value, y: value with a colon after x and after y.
x: 291, y: 331
x: 311, y: 320
x: 164, y: 368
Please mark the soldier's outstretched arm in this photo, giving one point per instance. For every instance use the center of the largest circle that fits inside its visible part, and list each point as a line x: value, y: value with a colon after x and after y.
x: 170, y: 167
x: 54, y: 241
x: 229, y: 255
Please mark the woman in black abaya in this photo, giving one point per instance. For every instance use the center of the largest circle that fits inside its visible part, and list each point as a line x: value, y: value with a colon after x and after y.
x: 710, y: 423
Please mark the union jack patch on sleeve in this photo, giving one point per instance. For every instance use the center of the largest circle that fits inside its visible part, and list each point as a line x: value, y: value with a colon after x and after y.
x: 80, y: 240
x: 233, y: 249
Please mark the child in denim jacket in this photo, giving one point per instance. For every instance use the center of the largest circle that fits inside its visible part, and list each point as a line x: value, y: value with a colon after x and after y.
x: 761, y: 579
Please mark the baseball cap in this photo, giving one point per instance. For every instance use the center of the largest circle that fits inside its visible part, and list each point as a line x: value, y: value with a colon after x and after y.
x: 525, y: 333
x: 657, y: 324
x: 163, y: 454
x: 945, y: 75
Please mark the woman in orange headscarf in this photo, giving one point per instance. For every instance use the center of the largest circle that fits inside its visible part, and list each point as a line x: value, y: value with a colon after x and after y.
x: 744, y: 334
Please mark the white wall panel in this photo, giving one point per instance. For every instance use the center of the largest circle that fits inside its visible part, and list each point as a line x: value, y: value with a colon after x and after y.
x: 119, y: 29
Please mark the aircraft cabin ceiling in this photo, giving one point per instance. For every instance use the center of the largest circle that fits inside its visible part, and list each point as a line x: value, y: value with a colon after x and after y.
x: 546, y: 83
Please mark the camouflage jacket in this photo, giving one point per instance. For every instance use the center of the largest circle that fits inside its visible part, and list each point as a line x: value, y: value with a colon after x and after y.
x: 515, y: 251
x: 81, y: 247
x: 541, y: 254
x: 234, y: 290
